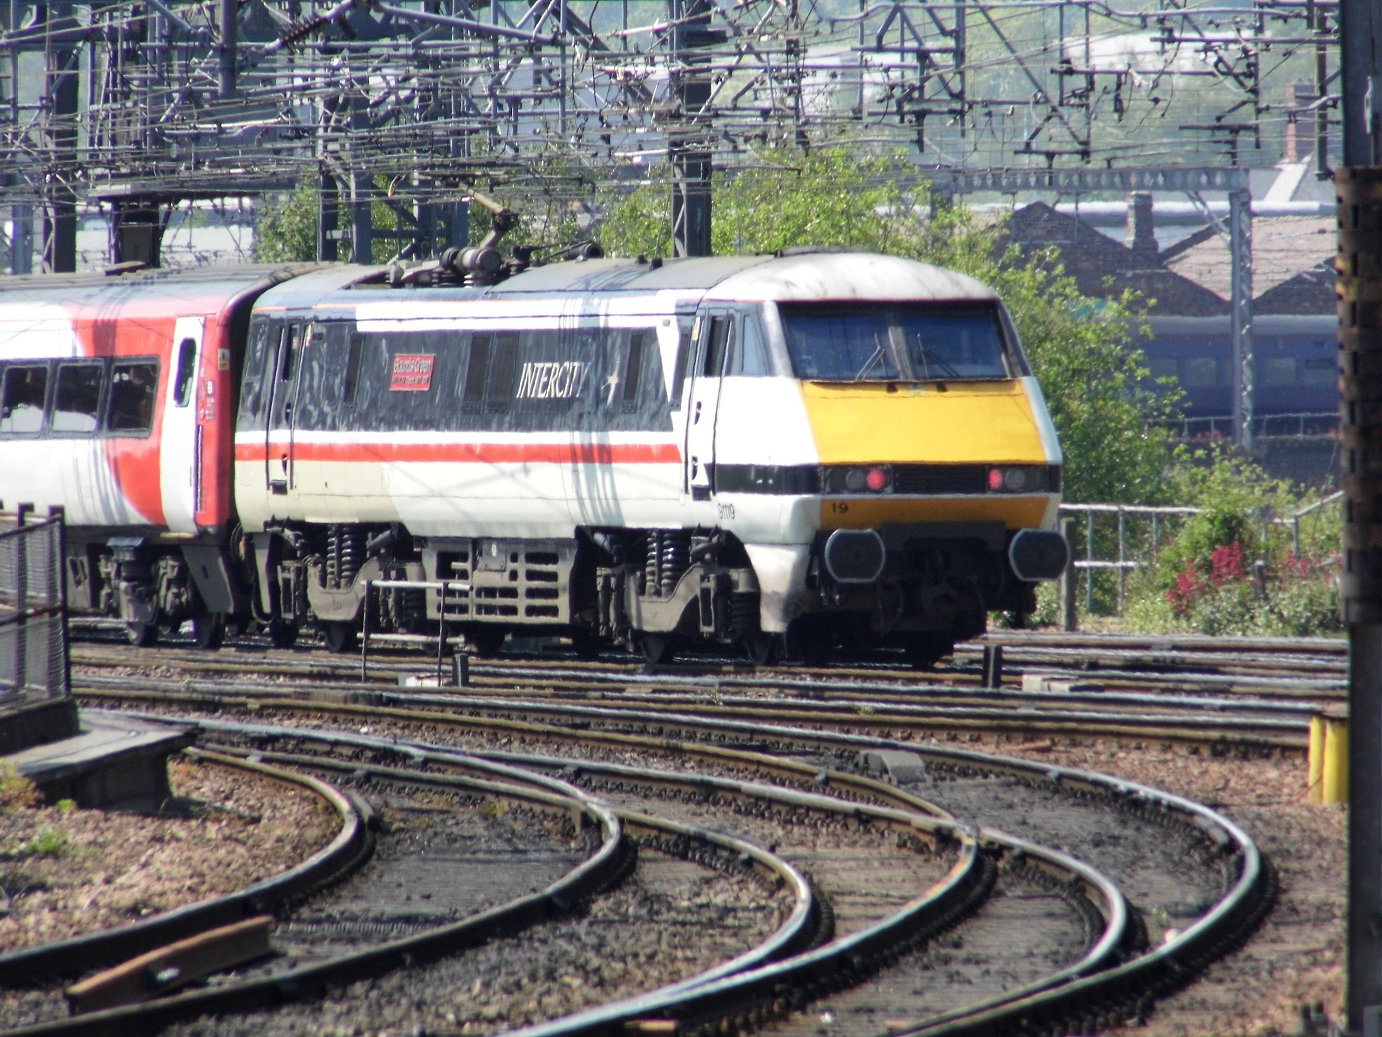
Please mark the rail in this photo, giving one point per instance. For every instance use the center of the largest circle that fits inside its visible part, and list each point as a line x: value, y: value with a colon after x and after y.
x: 442, y: 587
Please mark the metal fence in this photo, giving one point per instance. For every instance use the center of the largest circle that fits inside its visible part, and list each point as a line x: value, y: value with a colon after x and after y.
x: 33, y: 609
x: 1292, y: 426
x: 1117, y: 539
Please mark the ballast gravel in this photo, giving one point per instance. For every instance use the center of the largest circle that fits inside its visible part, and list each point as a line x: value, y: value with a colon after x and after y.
x: 65, y: 872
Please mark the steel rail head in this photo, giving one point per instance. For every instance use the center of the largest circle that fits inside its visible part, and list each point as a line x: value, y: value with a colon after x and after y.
x: 70, y: 957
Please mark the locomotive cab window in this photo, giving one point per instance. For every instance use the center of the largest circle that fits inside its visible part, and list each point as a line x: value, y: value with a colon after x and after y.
x: 252, y: 389
x: 719, y: 342
x: 749, y: 357
x: 833, y: 342
x: 22, y: 395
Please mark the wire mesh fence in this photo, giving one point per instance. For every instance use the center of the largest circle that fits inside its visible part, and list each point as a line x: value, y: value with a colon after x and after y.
x: 33, y: 610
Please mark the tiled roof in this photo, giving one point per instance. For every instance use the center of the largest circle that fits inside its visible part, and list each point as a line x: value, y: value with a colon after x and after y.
x: 1104, y: 267
x: 1283, y: 249
x: 1292, y: 263
x: 1310, y: 292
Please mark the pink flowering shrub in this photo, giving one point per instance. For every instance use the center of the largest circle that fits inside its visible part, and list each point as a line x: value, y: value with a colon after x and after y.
x: 1297, y: 595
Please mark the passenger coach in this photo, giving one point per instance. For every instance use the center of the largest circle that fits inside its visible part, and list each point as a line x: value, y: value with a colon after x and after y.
x: 117, y: 403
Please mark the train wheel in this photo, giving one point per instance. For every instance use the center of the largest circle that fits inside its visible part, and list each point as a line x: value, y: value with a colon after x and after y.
x: 586, y: 645
x: 208, y: 631
x: 484, y: 641
x: 657, y: 649
x: 761, y: 649
x: 282, y: 634
x: 339, y: 636
x: 925, y: 650
x: 806, y: 642
x: 141, y: 634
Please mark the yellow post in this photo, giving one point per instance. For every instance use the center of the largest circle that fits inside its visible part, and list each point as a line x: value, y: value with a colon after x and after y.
x: 1335, y: 762
x: 1314, y: 774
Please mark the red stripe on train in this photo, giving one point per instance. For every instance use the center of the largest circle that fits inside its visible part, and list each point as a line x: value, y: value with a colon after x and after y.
x: 466, y: 453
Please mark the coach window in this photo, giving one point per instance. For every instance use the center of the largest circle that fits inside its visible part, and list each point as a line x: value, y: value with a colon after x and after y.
x: 476, y: 371
x: 1279, y: 371
x: 1200, y: 371
x: 22, y: 395
x: 632, y: 373
x: 1319, y: 371
x: 132, y: 387
x: 77, y: 399
x: 687, y: 334
x: 503, y: 369
x: 186, y: 372
x: 1161, y: 367
x: 351, y: 382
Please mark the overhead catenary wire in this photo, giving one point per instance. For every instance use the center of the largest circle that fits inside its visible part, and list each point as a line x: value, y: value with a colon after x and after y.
x: 395, y: 89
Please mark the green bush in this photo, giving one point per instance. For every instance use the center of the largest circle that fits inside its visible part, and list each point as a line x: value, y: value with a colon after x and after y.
x: 16, y: 790
x: 1231, y: 569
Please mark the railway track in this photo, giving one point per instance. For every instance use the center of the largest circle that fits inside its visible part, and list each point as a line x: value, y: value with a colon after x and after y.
x: 1161, y: 882
x: 1307, y: 667
x: 1037, y: 704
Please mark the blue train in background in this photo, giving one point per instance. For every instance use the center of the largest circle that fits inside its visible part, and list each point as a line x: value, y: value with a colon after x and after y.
x: 1295, y: 373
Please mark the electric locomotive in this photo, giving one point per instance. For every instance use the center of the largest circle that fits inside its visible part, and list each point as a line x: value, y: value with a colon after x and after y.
x: 756, y: 450
x: 791, y: 451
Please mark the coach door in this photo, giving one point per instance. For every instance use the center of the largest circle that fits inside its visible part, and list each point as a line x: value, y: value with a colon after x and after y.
x: 180, y: 475
x: 281, y: 427
x: 713, y: 337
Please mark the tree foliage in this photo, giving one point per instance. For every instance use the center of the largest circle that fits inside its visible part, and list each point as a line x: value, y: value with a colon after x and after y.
x: 1083, y: 350
x: 285, y: 228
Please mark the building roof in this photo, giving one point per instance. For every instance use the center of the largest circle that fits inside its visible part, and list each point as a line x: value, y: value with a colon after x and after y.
x: 1308, y: 292
x: 1284, y: 250
x: 1104, y: 267
x: 1293, y: 263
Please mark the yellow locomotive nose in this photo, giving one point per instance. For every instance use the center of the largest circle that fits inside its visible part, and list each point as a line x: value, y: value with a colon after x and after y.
x: 944, y: 452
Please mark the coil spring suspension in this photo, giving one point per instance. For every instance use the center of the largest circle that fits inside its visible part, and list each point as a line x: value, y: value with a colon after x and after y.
x: 668, y: 557
x: 345, y: 553
x: 674, y: 558
x: 743, y: 614
x: 651, y: 558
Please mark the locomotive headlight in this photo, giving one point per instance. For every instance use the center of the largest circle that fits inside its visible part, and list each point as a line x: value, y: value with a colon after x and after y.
x: 872, y: 480
x: 876, y: 479
x: 1023, y: 479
